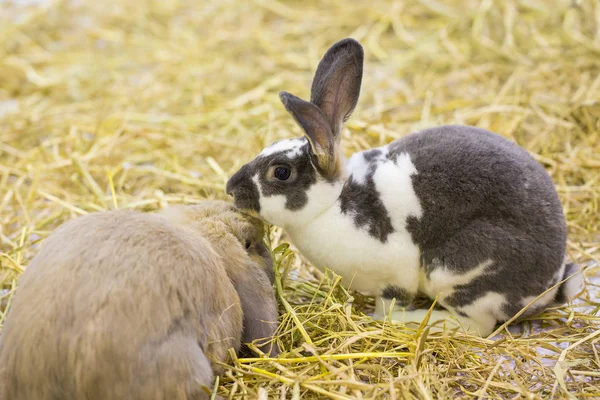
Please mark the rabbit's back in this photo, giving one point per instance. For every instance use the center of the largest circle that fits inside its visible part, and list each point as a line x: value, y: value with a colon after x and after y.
x: 492, y: 226
x: 113, y: 302
x: 483, y: 213
x: 465, y: 173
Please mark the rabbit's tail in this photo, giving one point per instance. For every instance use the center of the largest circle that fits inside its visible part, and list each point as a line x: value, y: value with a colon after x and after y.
x: 570, y: 288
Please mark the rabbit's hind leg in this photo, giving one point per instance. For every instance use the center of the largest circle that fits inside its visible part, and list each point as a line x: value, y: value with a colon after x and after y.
x: 440, y: 320
x: 395, y: 304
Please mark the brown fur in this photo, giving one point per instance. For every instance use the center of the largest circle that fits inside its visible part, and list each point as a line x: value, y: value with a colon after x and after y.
x: 127, y: 305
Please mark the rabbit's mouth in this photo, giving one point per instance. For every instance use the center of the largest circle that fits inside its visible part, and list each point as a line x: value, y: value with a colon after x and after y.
x: 244, y: 192
x: 248, y: 211
x: 246, y: 200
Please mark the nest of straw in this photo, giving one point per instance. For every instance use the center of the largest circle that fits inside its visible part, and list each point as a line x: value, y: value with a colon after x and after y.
x: 143, y: 104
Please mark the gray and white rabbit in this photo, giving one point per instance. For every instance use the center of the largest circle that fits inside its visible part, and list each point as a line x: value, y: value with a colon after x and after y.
x: 129, y: 305
x: 456, y: 211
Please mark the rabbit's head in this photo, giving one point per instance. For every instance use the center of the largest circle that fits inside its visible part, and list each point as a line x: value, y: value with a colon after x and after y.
x: 297, y: 179
x: 228, y: 229
x: 238, y: 238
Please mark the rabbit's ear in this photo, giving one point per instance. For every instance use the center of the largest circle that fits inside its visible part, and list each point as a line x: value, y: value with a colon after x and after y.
x: 259, y: 307
x: 336, y: 85
x: 318, y: 131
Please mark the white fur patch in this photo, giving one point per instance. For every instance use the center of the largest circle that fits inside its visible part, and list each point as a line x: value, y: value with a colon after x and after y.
x: 358, y: 166
x: 558, y: 276
x: 290, y: 146
x: 487, y: 310
x: 544, y: 300
x: 394, y: 184
x: 487, y: 307
x: 442, y: 280
x: 443, y: 319
x: 321, y: 195
x: 574, y: 285
x: 484, y: 312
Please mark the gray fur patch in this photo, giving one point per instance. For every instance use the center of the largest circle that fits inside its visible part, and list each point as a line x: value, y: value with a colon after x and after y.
x: 484, y: 197
x: 371, y: 155
x: 246, y: 195
x: 362, y: 201
x: 403, y: 297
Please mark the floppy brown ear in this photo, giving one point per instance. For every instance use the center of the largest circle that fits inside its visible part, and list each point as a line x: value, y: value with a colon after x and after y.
x: 336, y: 85
x: 259, y: 307
x: 318, y: 131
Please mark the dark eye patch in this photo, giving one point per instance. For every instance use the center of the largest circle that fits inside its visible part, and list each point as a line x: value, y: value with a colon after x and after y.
x: 303, y: 176
x: 248, y: 244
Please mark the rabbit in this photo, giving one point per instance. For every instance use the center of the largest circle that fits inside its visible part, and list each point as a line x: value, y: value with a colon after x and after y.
x: 456, y: 213
x: 131, y: 305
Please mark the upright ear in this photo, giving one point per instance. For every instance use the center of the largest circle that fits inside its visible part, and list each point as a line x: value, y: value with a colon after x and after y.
x: 318, y: 131
x: 336, y: 85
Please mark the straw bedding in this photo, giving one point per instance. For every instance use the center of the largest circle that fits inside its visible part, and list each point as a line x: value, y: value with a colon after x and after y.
x: 141, y: 104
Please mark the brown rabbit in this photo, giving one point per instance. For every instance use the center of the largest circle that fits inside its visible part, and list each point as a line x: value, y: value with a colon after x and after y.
x: 129, y: 305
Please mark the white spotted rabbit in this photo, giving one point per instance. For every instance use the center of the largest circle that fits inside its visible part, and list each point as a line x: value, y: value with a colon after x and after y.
x: 138, y: 306
x: 455, y: 210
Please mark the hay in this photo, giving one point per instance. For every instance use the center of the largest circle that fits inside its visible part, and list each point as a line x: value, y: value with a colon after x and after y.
x: 143, y: 104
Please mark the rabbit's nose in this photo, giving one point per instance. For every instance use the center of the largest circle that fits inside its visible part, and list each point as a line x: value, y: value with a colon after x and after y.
x: 229, y: 188
x: 234, y: 182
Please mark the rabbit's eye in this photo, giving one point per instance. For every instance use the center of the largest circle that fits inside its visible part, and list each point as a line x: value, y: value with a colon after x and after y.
x: 248, y: 244
x: 282, y: 173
